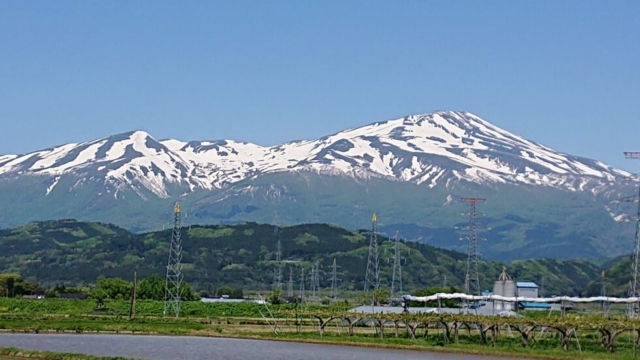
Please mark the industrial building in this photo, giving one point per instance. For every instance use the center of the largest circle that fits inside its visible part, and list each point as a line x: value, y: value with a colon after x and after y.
x: 527, y: 289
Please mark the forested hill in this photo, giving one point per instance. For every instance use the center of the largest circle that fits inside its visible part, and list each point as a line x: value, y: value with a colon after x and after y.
x: 244, y: 256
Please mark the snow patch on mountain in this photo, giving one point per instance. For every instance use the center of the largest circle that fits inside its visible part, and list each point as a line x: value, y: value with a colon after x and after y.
x: 53, y: 184
x: 431, y: 149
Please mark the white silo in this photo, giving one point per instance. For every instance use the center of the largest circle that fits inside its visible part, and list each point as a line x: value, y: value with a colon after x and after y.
x: 504, y: 286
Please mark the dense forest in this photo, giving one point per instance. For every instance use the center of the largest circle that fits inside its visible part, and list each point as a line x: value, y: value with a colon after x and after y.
x: 244, y: 256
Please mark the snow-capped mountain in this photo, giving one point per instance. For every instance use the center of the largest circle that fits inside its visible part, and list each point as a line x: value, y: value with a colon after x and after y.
x: 430, y: 149
x: 411, y: 171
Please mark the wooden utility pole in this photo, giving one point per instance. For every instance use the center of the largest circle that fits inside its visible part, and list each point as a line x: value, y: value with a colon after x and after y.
x: 132, y: 310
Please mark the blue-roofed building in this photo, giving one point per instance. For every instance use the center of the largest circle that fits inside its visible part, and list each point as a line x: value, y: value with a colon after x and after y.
x: 524, y: 305
x: 527, y: 289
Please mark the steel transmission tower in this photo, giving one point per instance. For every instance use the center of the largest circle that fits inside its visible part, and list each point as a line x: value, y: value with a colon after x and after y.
x: 173, y: 283
x: 302, y: 285
x: 472, y: 278
x: 315, y: 280
x: 334, y: 281
x: 277, y: 278
x: 312, y: 282
x: 372, y: 277
x: 396, y: 278
x: 636, y: 248
x: 603, y: 290
x: 290, y: 287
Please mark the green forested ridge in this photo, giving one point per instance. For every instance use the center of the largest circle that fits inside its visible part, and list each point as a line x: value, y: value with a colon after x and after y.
x: 243, y: 256
x: 519, y: 221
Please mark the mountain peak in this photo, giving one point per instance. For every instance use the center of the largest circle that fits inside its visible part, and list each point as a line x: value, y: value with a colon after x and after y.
x: 432, y: 149
x: 133, y: 134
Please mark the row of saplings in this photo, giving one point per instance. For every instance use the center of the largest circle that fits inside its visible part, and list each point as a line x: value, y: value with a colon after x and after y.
x: 489, y: 328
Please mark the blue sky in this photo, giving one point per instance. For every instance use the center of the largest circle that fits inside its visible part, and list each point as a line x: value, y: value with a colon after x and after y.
x: 562, y: 73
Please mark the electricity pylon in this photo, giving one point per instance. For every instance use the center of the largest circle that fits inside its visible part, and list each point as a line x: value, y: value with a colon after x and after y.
x: 290, y: 287
x: 396, y: 278
x: 372, y: 277
x: 334, y: 282
x: 173, y: 283
x: 636, y: 247
x: 277, y: 278
x: 472, y: 283
x: 302, y: 295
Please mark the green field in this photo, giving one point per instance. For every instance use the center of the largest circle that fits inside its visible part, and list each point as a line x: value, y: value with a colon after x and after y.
x: 533, y: 335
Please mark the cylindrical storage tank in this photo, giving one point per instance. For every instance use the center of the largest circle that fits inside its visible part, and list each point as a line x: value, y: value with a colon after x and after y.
x: 506, y: 288
x: 509, y: 291
x: 498, y: 289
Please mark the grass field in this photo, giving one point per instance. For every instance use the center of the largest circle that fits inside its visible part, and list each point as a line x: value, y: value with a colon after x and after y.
x: 245, y: 320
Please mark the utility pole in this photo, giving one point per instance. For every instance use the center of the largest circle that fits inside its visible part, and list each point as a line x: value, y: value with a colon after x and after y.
x: 372, y: 276
x: 636, y: 248
x: 473, y: 279
x: 173, y: 283
x: 396, y: 278
x: 134, y: 290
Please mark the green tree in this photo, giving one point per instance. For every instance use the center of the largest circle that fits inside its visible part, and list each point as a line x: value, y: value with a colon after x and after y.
x: 382, y: 295
x: 276, y: 298
x: 13, y: 285
x: 97, y: 293
x: 224, y: 290
x: 237, y: 294
x: 114, y: 288
x: 151, y: 288
x: 187, y: 292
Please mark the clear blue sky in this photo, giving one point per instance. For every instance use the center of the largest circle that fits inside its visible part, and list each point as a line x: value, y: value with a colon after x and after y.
x: 562, y: 73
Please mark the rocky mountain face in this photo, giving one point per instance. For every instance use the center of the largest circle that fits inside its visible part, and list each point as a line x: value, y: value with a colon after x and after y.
x: 411, y: 170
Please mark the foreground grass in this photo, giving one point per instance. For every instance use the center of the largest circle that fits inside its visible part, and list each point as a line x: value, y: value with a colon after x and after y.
x: 143, y: 308
x: 14, y: 353
x: 504, y: 348
x: 588, y: 346
x: 243, y: 320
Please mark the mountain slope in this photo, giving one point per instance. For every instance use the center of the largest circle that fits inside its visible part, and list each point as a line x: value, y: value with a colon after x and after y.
x: 244, y: 255
x: 412, y: 171
x: 426, y: 149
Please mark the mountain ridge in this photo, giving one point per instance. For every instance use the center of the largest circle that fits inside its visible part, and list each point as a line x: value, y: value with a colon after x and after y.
x: 244, y: 255
x: 411, y: 170
x: 424, y: 149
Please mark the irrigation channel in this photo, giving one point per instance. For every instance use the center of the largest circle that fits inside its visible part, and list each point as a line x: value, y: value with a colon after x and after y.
x: 200, y: 348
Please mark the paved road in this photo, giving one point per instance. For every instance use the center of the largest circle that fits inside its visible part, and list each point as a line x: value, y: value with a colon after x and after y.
x: 201, y: 348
